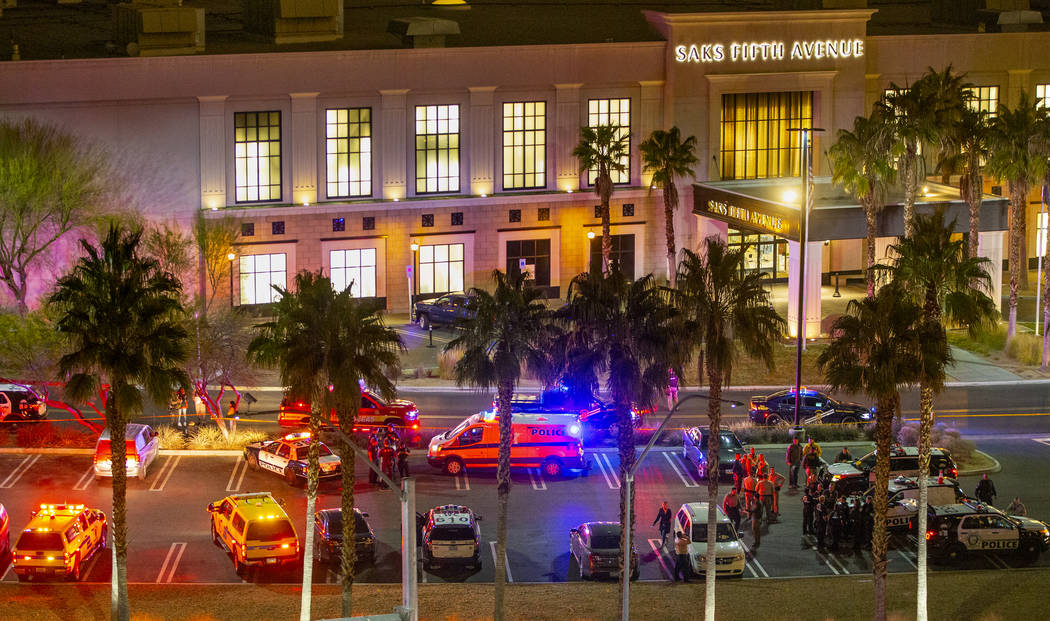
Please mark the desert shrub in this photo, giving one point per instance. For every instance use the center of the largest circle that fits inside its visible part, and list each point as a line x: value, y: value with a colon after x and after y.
x: 206, y: 437
x: 941, y: 436
x: 1026, y: 348
x: 758, y: 434
x: 47, y: 435
x: 170, y: 437
x: 989, y: 339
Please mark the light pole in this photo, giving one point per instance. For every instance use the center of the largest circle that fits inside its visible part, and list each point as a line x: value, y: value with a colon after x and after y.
x: 414, y: 246
x: 230, y: 257
x: 628, y: 482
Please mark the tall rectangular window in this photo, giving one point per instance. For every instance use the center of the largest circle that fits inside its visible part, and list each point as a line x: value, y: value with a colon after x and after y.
x: 756, y: 141
x: 615, y: 112
x: 355, y: 269
x: 441, y: 268
x: 524, y: 145
x: 437, y: 149
x: 257, y: 156
x: 622, y: 255
x: 348, y: 146
x: 984, y: 99
x: 1042, y: 95
x: 260, y: 273
x: 537, y: 256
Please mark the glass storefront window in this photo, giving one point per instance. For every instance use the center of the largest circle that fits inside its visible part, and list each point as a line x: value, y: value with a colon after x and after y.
x: 765, y: 253
x: 622, y: 254
x: 984, y: 99
x: 260, y: 273
x: 355, y: 269
x: 756, y: 141
x: 441, y: 268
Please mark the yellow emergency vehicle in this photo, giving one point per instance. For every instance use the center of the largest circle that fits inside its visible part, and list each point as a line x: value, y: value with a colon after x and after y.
x: 58, y: 541
x: 255, y: 530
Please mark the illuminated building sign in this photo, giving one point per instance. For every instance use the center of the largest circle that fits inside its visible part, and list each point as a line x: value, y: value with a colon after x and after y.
x: 755, y: 51
x: 745, y: 212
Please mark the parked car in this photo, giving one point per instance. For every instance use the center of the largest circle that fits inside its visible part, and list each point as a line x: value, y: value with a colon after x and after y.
x: 695, y: 449
x: 58, y: 541
x: 595, y: 547
x: 730, y: 559
x: 445, y: 310
x: 328, y: 536
x: 816, y: 408
x: 450, y: 535
x: 958, y: 530
x: 5, y: 532
x: 18, y: 403
x: 287, y: 457
x: 853, y: 477
x: 255, y: 531
x: 903, y: 504
x: 373, y: 412
x: 143, y: 447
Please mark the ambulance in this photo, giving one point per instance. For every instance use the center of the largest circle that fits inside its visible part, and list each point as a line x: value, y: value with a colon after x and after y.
x: 549, y: 441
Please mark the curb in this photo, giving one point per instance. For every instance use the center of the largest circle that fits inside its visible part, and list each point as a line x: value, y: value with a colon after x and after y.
x: 996, y: 467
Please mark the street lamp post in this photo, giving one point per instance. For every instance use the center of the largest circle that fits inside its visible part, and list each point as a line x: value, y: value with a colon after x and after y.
x: 414, y: 246
x: 230, y: 257
x: 628, y: 482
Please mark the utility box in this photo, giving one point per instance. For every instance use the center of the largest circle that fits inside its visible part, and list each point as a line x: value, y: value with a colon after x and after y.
x: 159, y: 28
x: 294, y: 21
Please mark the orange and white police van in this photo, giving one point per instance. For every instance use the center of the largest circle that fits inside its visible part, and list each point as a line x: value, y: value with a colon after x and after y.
x: 549, y: 441
x: 58, y: 541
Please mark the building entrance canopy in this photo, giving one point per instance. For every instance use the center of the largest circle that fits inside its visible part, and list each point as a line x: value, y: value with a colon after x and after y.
x: 772, y: 206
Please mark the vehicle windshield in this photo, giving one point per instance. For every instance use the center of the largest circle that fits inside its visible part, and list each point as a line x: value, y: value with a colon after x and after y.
x: 21, y: 395
x: 335, y: 523
x: 605, y: 541
x: 867, y: 462
x: 460, y: 427
x: 729, y: 441
x: 452, y: 532
x: 374, y: 397
x: 724, y: 532
x: 36, y: 540
x: 269, y: 530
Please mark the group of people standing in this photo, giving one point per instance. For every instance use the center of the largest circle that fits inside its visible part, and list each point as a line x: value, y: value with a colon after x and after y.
x: 759, y: 484
x: 387, y: 448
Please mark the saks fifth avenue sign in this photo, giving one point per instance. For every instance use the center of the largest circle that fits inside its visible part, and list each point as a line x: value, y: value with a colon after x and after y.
x: 745, y: 212
x: 762, y: 221
x: 755, y: 51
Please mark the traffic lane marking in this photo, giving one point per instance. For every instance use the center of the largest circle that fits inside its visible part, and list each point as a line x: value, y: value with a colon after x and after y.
x: 506, y: 561
x: 751, y: 562
x: 612, y: 478
x: 680, y: 469
x: 85, y: 479
x: 19, y: 470
x: 1045, y: 441
x: 240, y: 467
x: 164, y: 475
x: 171, y: 562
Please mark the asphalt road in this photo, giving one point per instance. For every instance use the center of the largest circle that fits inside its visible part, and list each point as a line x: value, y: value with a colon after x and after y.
x: 169, y: 537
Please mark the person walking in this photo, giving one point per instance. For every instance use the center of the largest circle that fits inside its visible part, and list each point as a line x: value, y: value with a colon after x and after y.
x: 738, y: 472
x: 181, y: 405
x: 811, y: 457
x: 808, y: 502
x: 681, y: 557
x: 672, y: 389
x: 373, y: 456
x: 764, y: 488
x: 663, y: 517
x: 750, y: 490
x: 1017, y: 508
x: 985, y: 491
x: 756, y: 523
x: 794, y: 462
x: 731, y: 505
x: 402, y: 459
x: 843, y: 456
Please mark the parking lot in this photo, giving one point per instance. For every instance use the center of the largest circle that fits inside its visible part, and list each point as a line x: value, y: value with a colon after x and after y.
x: 169, y: 538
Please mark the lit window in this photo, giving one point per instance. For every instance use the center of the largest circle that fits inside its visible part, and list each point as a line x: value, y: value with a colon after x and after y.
x: 441, y: 268
x: 437, y: 149
x: 355, y: 269
x: 756, y: 141
x: 1042, y: 95
x: 348, y: 144
x: 260, y: 273
x: 983, y: 99
x: 524, y: 145
x: 257, y: 156
x: 612, y: 112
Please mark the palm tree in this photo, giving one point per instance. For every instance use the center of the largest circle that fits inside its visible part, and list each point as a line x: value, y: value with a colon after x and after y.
x: 603, y: 149
x: 120, y: 312
x: 862, y: 163
x: 911, y: 110
x: 505, y: 333
x: 628, y: 331
x: 950, y: 286
x: 323, y: 343
x: 730, y: 312
x: 964, y: 151
x: 1017, y: 155
x: 667, y: 157
x: 877, y: 351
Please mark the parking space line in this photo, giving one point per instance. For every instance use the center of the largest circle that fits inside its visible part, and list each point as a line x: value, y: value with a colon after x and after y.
x: 165, y: 473
x: 171, y: 562
x: 908, y: 559
x: 660, y: 557
x: 997, y: 562
x: 752, y: 563
x: 87, y: 570
x: 19, y: 470
x: 686, y: 479
x: 7, y: 573
x: 462, y: 482
x: 85, y: 479
x: 828, y: 563
x: 538, y: 483
x: 611, y: 478
x: 506, y: 561
x: 242, y: 467
x: 839, y: 562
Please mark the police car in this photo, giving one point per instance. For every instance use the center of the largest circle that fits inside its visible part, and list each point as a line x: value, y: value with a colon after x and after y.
x: 450, y: 536
x: 854, y: 477
x: 59, y: 541
x: 954, y: 531
x: 287, y: 456
x: 904, y: 499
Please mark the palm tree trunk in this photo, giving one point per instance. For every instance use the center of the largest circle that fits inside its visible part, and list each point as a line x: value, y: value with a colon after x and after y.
x: 911, y: 188
x: 605, y: 194
x: 505, y: 391
x: 670, y: 203
x: 120, y: 608
x: 1046, y: 291
x: 971, y: 191
x: 714, y: 415
x: 880, y: 540
x: 625, y: 445
x: 347, y: 561
x: 312, y: 464
x: 925, y: 424
x: 1018, y: 192
x: 869, y: 217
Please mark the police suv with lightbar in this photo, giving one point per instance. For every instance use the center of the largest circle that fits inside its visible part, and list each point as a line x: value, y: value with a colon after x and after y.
x: 954, y: 531
x: 287, y: 456
x: 450, y: 536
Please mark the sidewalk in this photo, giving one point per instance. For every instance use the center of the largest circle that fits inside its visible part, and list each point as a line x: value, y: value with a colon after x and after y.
x: 970, y: 367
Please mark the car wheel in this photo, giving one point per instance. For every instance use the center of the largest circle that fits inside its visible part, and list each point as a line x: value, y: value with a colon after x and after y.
x: 453, y: 466
x: 103, y: 539
x: 477, y: 562
x: 238, y: 567
x: 1029, y: 550
x: 74, y: 574
x: 143, y: 473
x: 774, y: 420
x: 849, y: 420
x: 552, y: 468
x: 319, y: 551
x: 424, y: 322
x: 584, y: 575
x: 214, y: 534
x: 23, y: 577
x: 955, y: 553
x: 253, y: 461
x: 701, y: 471
x: 289, y: 476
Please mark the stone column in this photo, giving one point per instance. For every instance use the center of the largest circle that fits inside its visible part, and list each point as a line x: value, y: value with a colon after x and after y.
x: 482, y: 131
x: 393, y: 142
x: 566, y: 135
x: 650, y: 117
x: 814, y: 253
x: 990, y: 246
x: 304, y: 148
x: 213, y: 151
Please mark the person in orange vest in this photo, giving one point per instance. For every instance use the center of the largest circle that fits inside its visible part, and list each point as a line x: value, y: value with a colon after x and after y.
x: 749, y: 491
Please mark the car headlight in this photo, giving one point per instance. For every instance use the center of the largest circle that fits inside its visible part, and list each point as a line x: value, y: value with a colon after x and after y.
x: 867, y: 415
x: 836, y: 477
x: 739, y: 557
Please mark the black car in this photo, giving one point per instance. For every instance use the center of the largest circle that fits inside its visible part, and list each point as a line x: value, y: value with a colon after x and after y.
x: 445, y: 310
x: 854, y: 477
x: 328, y: 536
x: 779, y: 409
x: 694, y: 449
x: 595, y: 548
x: 597, y: 417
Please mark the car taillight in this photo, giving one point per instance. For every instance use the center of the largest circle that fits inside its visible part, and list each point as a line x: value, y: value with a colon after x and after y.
x: 955, y: 472
x: 590, y: 559
x: 930, y: 534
